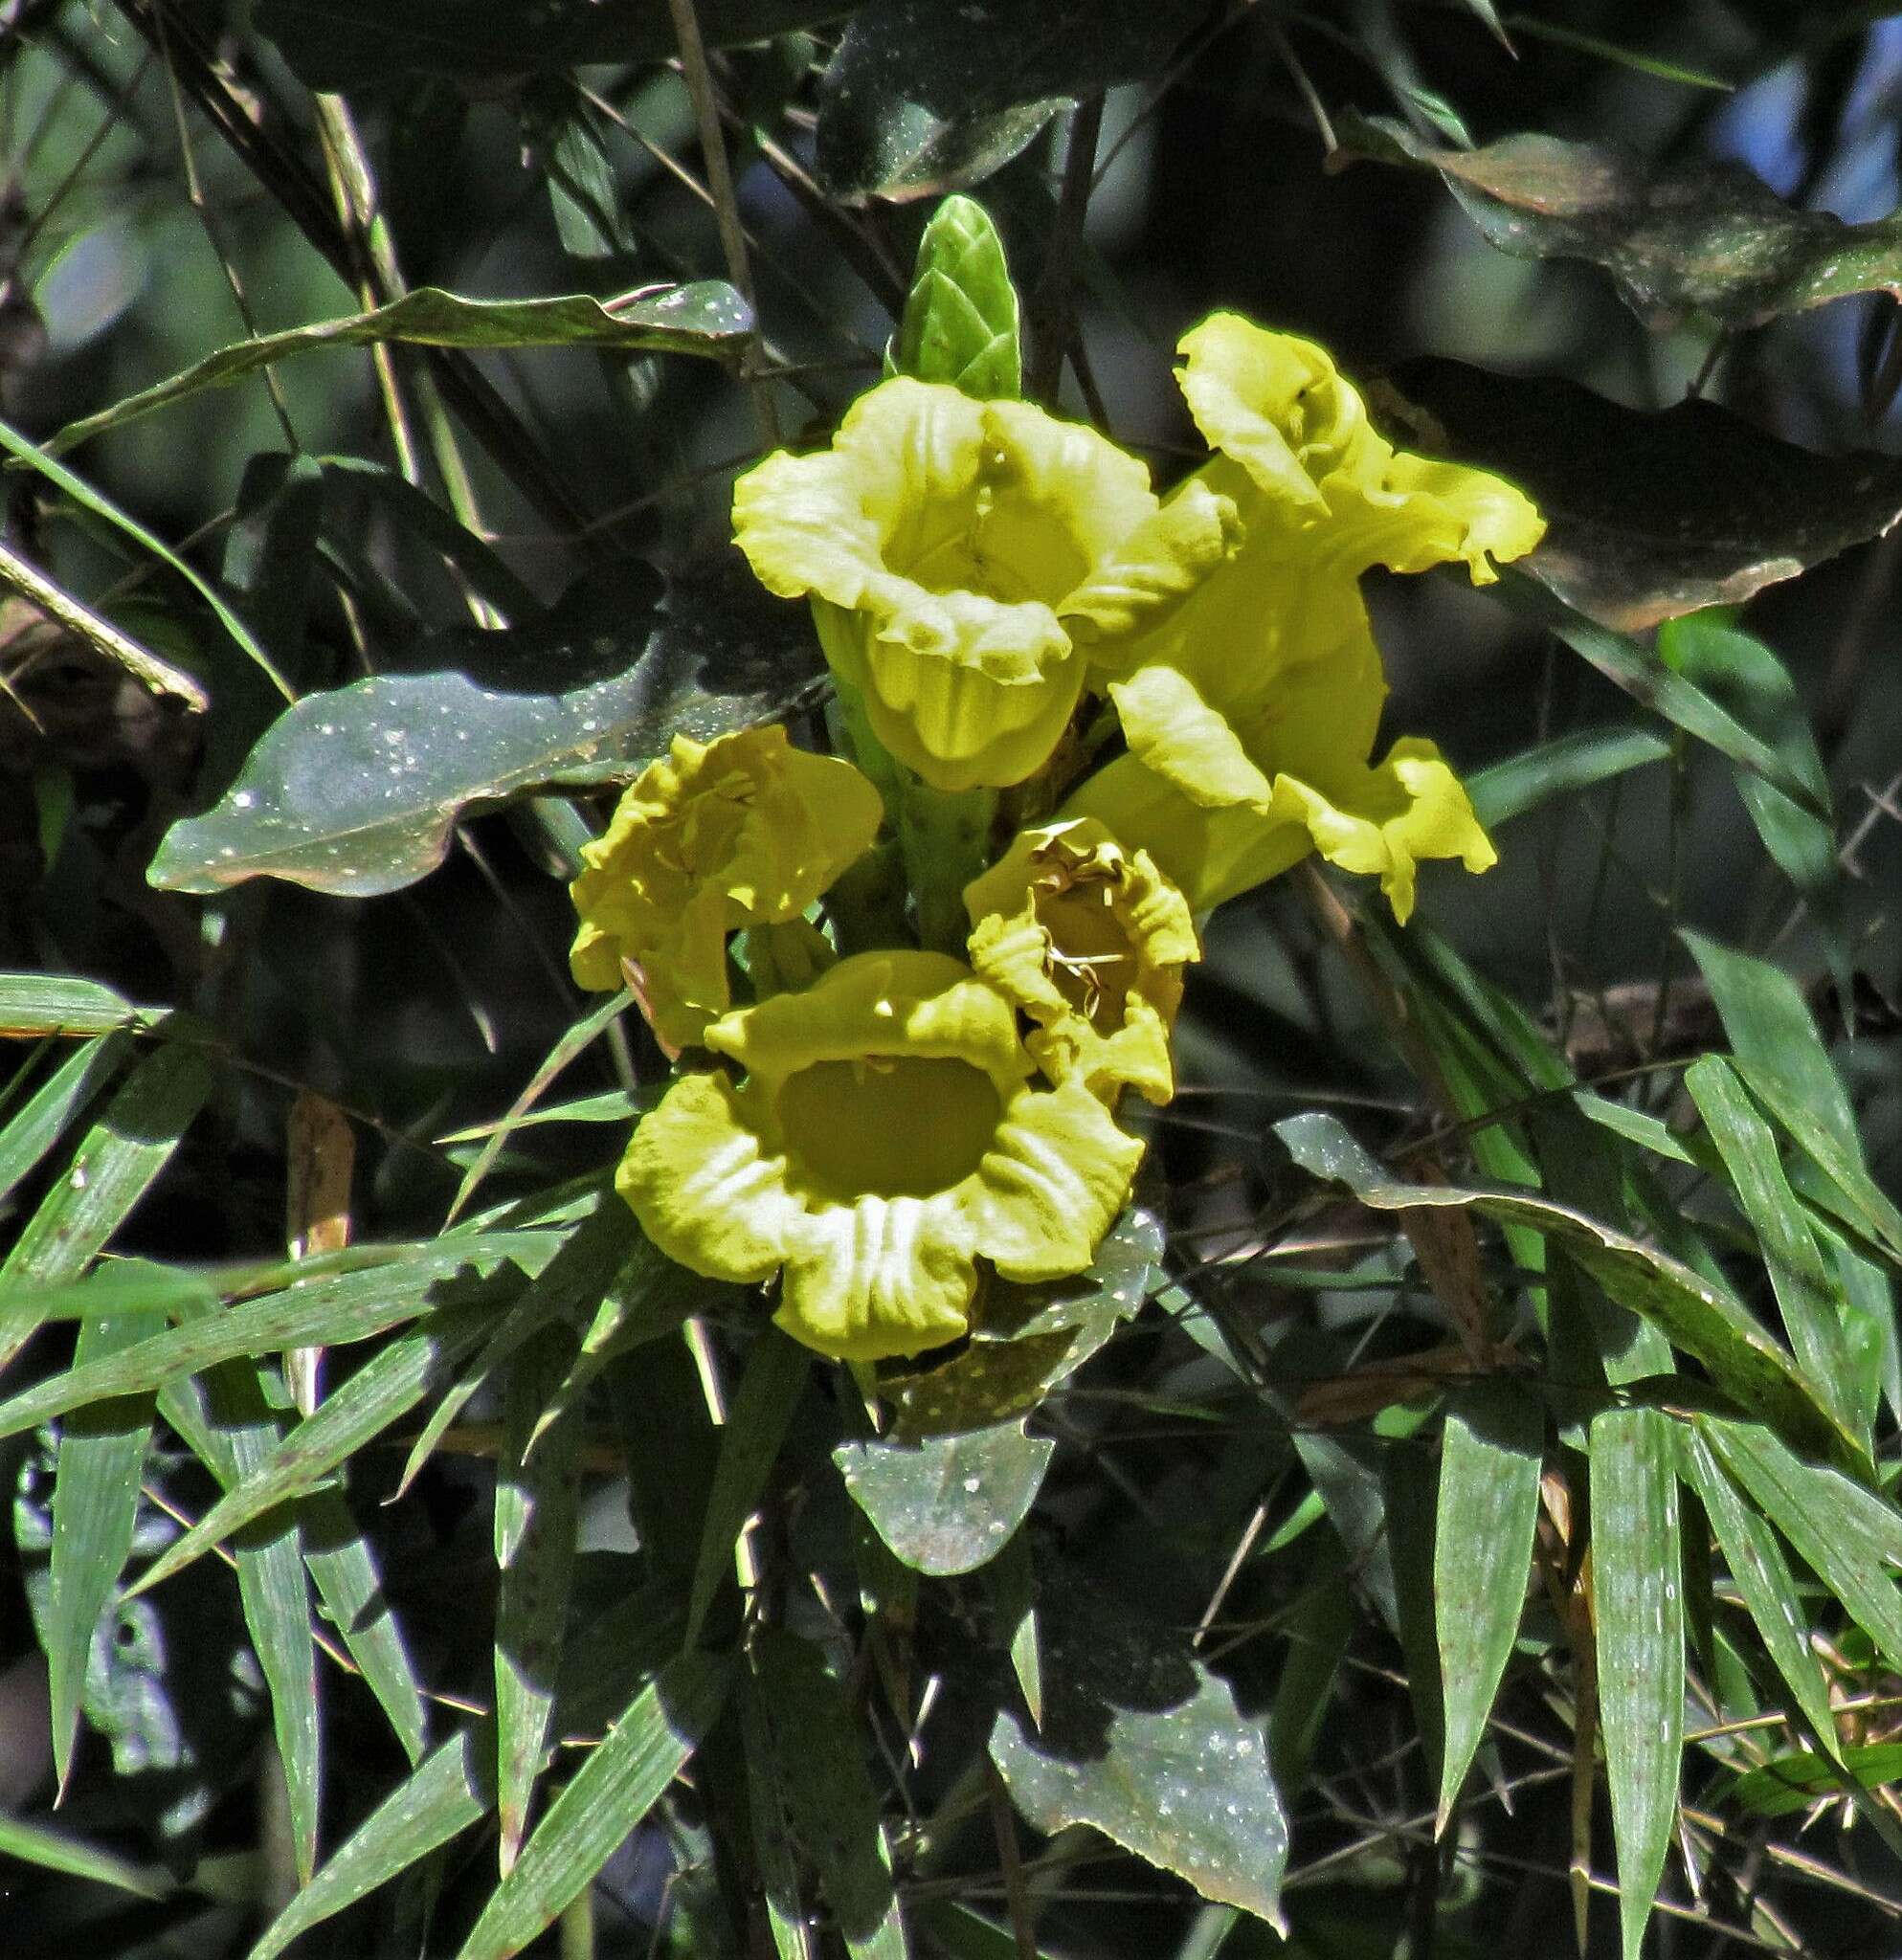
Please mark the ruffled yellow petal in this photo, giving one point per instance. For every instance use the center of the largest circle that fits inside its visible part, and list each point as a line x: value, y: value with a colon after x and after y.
x: 744, y: 830
x: 890, y: 1132
x: 940, y: 540
x: 1279, y: 406
x: 1089, y: 942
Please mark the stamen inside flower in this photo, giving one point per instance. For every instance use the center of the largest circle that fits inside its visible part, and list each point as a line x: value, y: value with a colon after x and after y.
x: 894, y: 1126
x: 1092, y: 958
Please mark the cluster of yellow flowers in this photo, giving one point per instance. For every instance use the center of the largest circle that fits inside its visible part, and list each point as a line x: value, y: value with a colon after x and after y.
x: 978, y: 573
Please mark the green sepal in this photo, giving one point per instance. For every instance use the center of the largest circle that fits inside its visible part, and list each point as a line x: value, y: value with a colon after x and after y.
x: 961, y: 322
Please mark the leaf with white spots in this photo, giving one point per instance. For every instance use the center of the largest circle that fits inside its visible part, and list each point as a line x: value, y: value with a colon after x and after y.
x: 946, y: 1503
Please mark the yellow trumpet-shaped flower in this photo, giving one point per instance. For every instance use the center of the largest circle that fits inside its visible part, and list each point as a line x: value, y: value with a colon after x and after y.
x: 955, y: 551
x: 1089, y: 941
x: 1250, y: 701
x: 889, y: 1132
x: 743, y: 831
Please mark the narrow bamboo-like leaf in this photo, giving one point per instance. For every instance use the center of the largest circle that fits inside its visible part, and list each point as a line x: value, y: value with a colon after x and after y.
x: 53, y: 1851
x: 41, y: 1119
x: 1636, y: 1562
x: 33, y: 1005
x: 1010, y: 1580
x: 774, y: 1848
x: 1410, y: 1483
x: 382, y: 1392
x: 536, y: 1510
x: 451, y: 1791
x: 1803, y: 1285
x: 353, y: 1306
x: 620, y: 1783
x: 1850, y: 1538
x: 1762, y: 1576
x: 1482, y: 1554
x: 115, y: 1164
x: 95, y: 1511
x: 818, y: 1764
x: 756, y: 1425
x: 1794, y: 1782
x: 706, y: 318
x: 946, y: 1503
x: 1560, y: 768
x: 1695, y: 1312
x: 960, y: 319
x: 230, y: 1430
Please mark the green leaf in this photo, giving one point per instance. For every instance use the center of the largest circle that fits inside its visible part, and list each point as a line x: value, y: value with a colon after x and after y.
x: 1648, y: 514
x: 923, y: 97
x: 1637, y: 1562
x: 1796, y: 1781
x: 960, y: 323
x: 230, y: 1426
x: 621, y: 1780
x: 774, y: 1848
x: 1762, y: 1575
x: 1705, y: 237
x: 1030, y: 1338
x: 1643, y: 674
x: 1009, y: 1584
x: 826, y: 1795
x: 41, y: 1004
x: 946, y: 1503
x: 40, y: 1120
x: 101, y: 1454
x: 352, y: 1306
x: 1743, y: 675
x: 112, y: 1170
x: 53, y: 1851
x: 1489, y: 1504
x: 708, y: 318
x: 756, y: 1425
x: 1805, y: 1288
x: 1691, y: 1310
x: 1848, y: 1536
x: 1141, y: 1742
x: 355, y: 792
x: 1560, y: 768
x: 450, y: 1792
x: 338, y: 44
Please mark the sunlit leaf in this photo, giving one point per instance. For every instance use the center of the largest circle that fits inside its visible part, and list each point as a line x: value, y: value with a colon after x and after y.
x: 946, y: 1503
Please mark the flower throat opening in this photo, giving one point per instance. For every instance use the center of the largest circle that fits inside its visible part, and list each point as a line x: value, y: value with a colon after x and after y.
x: 893, y: 1125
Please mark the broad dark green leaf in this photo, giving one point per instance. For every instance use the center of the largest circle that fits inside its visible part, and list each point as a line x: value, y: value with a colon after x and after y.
x: 1762, y: 1576
x: 336, y: 44
x: 948, y: 1504
x: 1649, y: 515
x: 1805, y: 1288
x: 1694, y: 1311
x: 111, y: 1171
x: 102, y: 1454
x: 708, y: 319
x: 756, y: 1425
x: 923, y: 97
x: 354, y: 791
x: 617, y: 1786
x: 537, y: 1507
x: 1030, y: 1338
x: 1635, y: 1565
x: 960, y: 321
x: 1140, y: 1741
x: 1705, y: 237
x: 825, y: 1792
x: 1482, y: 1555
x: 1560, y: 768
x: 774, y: 1848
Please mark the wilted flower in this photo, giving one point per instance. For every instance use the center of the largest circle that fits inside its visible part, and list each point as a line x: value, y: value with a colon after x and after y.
x: 888, y: 1134
x: 949, y: 547
x: 1089, y: 941
x: 744, y: 831
x: 1251, y: 703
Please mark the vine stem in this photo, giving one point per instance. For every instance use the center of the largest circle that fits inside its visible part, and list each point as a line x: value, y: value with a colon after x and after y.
x: 699, y: 79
